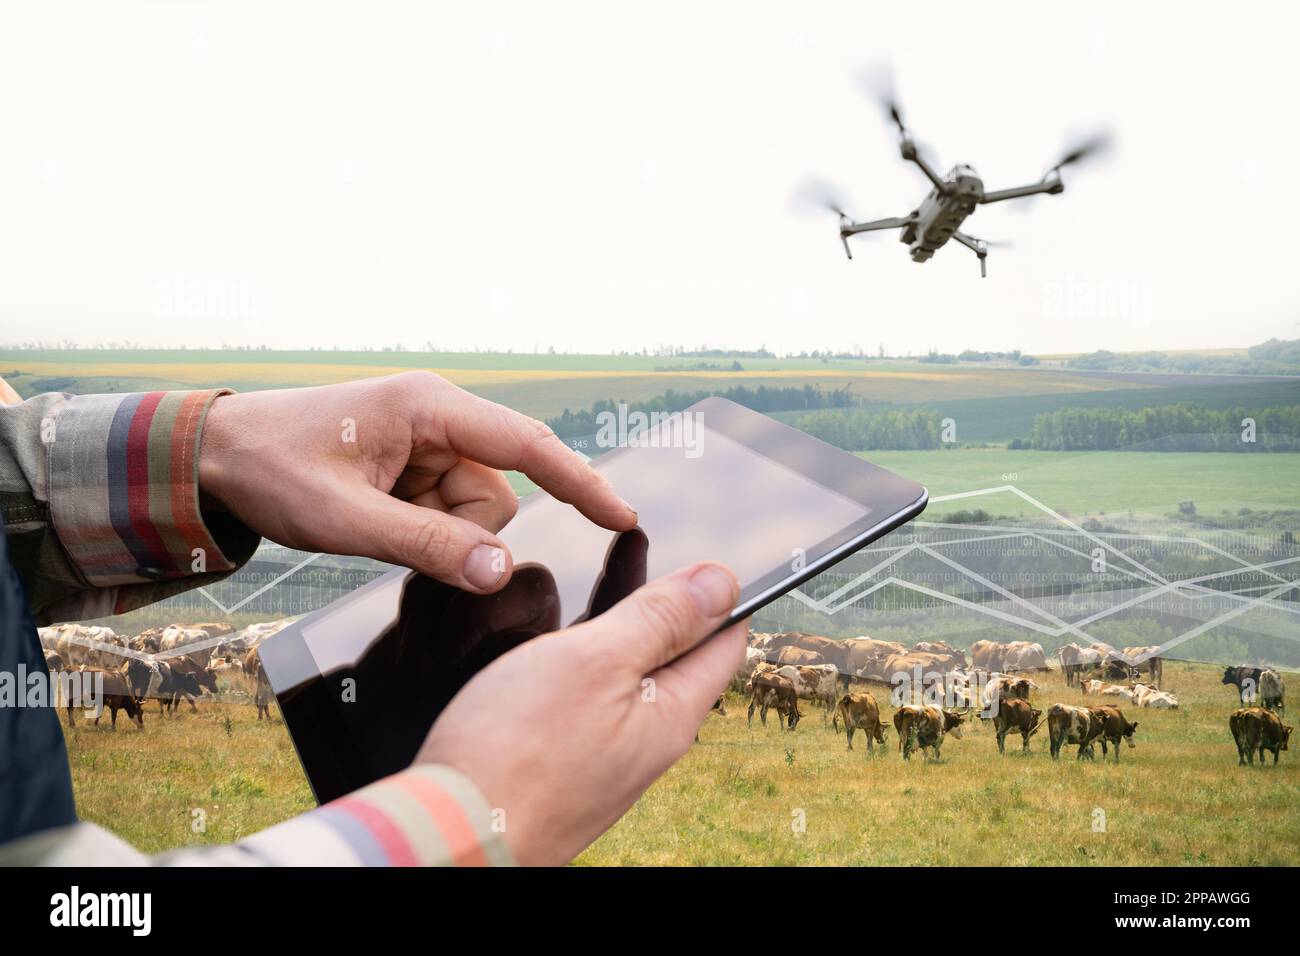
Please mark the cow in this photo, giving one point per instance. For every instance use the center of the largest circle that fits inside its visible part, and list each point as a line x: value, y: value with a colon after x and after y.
x: 953, y: 656
x: 262, y: 693
x: 1254, y: 728
x: 1114, y: 726
x: 1074, y: 659
x: 1137, y: 656
x: 925, y: 727
x: 82, y: 645
x: 116, y: 695
x: 1246, y: 680
x: 860, y: 712
x: 1073, y: 725
x: 180, y: 641
x: 753, y: 658
x: 988, y: 655
x: 773, y: 690
x: 1145, y: 696
x: 1091, y: 687
x: 1019, y: 716
x: 253, y: 635
x: 1114, y: 690
x: 866, y: 654
x: 1272, y: 691
x: 798, y: 656
x: 1024, y: 656
x: 998, y: 687
x: 177, y: 682
x: 820, y: 683
x: 183, y: 668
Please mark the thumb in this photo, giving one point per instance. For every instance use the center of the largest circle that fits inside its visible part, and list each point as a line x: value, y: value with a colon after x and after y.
x: 663, y: 620
x: 451, y: 549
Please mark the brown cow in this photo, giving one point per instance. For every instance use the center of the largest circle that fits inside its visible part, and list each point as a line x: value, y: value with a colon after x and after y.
x: 864, y: 653
x: 1073, y: 725
x: 116, y: 695
x: 1019, y: 716
x: 1114, y: 726
x: 1254, y: 728
x: 798, y: 656
x: 1150, y: 656
x: 182, y: 667
x: 926, y: 727
x: 860, y: 712
x: 988, y: 655
x: 773, y: 690
x: 262, y: 693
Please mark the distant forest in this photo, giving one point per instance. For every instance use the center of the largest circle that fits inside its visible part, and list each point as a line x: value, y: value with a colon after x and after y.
x: 571, y: 424
x: 1181, y: 427
x: 1274, y: 357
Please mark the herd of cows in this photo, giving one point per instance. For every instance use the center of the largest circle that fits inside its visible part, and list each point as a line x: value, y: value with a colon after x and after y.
x: 170, y: 664
x: 936, y: 688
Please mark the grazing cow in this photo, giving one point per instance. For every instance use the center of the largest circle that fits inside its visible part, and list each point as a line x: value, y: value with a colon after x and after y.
x: 1257, y: 729
x: 1272, y: 691
x: 1024, y: 656
x: 1073, y: 725
x: 988, y: 655
x: 819, y: 683
x: 860, y: 712
x: 117, y: 695
x: 176, y: 683
x: 1246, y: 680
x: 925, y: 727
x: 1019, y: 716
x: 262, y: 694
x: 1114, y: 726
x: 773, y: 690
x: 1150, y: 656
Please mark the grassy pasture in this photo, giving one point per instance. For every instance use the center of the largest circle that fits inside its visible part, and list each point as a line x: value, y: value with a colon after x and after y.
x: 1177, y: 799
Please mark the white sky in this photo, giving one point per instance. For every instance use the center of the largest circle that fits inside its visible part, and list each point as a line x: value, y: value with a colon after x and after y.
x: 609, y: 175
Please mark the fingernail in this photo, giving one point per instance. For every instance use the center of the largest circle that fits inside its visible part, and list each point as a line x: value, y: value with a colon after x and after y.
x: 485, y: 566
x: 711, y: 589
x: 628, y: 507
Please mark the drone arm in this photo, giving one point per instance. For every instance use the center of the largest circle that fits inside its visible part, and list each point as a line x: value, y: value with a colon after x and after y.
x: 1052, y: 184
x: 853, y: 228
x: 976, y: 246
x: 911, y: 154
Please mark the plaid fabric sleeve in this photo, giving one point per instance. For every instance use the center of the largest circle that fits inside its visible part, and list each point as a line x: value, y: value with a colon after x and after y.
x: 424, y: 816
x: 105, y: 492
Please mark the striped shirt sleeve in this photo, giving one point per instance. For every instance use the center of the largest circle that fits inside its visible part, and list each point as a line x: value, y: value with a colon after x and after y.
x: 425, y: 816
x: 115, y: 479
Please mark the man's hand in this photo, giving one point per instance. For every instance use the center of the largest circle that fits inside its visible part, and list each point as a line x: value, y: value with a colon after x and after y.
x: 404, y: 469
x: 566, y: 731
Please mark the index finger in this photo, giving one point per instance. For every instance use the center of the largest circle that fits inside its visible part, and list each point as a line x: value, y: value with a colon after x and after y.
x: 500, y: 437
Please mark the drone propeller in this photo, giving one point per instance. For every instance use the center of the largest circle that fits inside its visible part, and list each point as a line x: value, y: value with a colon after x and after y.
x: 820, y: 194
x: 1097, y: 143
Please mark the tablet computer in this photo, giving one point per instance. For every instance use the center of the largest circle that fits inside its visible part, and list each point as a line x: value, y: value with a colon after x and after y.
x: 360, y: 682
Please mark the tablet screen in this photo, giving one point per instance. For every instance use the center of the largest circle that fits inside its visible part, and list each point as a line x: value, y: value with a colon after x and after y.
x: 366, y: 678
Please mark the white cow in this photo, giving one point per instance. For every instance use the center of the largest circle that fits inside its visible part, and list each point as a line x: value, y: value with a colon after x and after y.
x: 819, y: 682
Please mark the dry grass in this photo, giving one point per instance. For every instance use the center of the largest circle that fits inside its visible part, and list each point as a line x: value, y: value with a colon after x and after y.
x: 1178, y: 798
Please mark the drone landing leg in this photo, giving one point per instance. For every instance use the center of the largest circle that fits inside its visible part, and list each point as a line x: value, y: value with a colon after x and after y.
x: 977, y: 246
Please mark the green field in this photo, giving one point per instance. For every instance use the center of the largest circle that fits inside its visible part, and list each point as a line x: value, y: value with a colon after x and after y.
x: 1179, y: 798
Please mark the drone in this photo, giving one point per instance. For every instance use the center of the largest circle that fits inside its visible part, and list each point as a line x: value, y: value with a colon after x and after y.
x: 954, y: 197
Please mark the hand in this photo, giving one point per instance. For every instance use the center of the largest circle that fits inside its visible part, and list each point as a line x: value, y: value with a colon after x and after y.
x: 403, y: 469
x: 563, y: 734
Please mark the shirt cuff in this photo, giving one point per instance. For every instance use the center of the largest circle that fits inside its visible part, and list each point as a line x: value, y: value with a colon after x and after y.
x: 124, y: 489
x: 423, y: 816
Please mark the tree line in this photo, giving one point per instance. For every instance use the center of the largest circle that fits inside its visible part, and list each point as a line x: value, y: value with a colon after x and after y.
x: 1182, y: 427
x: 573, y: 424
